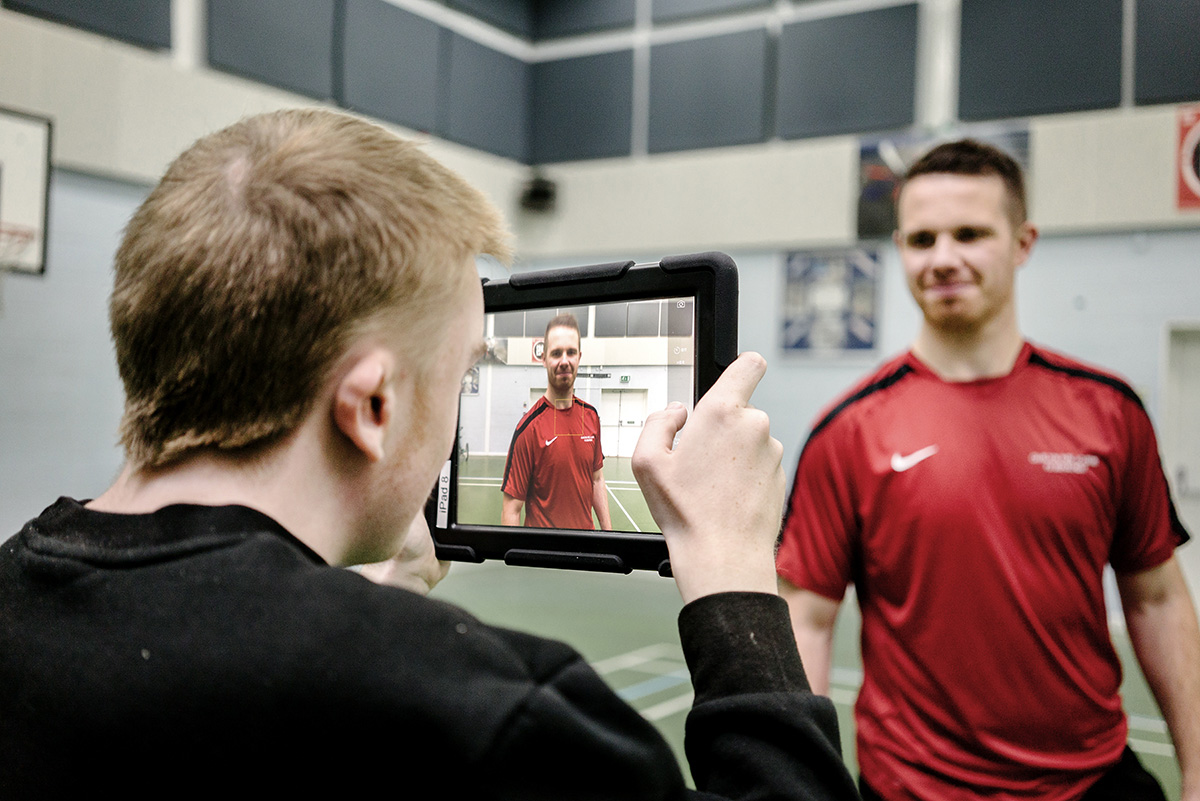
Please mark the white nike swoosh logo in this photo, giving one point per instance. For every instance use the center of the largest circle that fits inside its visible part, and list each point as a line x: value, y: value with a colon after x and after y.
x: 902, y: 463
x: 551, y: 440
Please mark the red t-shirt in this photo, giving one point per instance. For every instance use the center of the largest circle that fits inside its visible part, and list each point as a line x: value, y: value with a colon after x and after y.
x: 975, y: 520
x: 551, y: 460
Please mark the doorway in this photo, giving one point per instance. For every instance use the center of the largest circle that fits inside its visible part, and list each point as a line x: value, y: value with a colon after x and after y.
x: 1180, y: 439
x: 622, y: 415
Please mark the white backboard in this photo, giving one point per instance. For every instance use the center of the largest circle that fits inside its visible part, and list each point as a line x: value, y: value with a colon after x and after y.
x: 24, y: 190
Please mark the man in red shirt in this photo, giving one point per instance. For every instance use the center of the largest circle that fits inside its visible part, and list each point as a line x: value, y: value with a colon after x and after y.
x: 973, y: 489
x: 555, y: 466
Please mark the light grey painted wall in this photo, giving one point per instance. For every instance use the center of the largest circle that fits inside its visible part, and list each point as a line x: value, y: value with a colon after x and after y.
x: 1103, y: 298
x: 60, y: 398
x: 510, y: 389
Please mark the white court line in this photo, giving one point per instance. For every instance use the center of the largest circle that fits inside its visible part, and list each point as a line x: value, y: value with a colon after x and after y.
x: 848, y: 677
x: 668, y: 707
x: 1143, y: 723
x: 842, y: 696
x: 1147, y: 747
x: 639, y: 657
x: 632, y: 522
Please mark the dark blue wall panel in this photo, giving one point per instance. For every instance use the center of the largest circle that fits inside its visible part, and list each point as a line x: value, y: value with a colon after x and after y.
x: 514, y: 16
x: 1025, y: 57
x: 708, y: 92
x: 141, y: 22
x: 391, y: 64
x: 485, y: 102
x: 856, y: 72
x: 286, y: 43
x: 1167, y: 51
x: 582, y: 107
x: 671, y: 10
x: 569, y: 17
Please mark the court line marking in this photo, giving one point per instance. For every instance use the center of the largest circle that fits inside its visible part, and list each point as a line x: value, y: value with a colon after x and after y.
x: 670, y: 707
x: 643, y: 657
x: 1147, y: 747
x: 624, y: 511
x: 619, y: 483
x: 1146, y: 723
x: 631, y: 659
x: 657, y: 684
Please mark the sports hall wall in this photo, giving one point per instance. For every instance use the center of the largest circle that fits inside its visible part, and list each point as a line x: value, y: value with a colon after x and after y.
x: 664, y: 130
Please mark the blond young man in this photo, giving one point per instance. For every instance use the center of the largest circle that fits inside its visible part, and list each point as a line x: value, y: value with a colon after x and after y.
x: 555, y: 465
x: 973, y: 490
x: 295, y: 305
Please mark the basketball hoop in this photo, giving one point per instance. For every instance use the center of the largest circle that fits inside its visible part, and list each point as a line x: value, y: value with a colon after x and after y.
x: 14, y: 240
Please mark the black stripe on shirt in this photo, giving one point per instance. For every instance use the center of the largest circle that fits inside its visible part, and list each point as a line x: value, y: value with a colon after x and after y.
x: 524, y: 425
x: 870, y: 389
x: 1038, y: 360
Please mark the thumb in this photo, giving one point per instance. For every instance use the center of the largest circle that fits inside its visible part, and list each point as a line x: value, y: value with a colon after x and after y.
x: 658, y: 432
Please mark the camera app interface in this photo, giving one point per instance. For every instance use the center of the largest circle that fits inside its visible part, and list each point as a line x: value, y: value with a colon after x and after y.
x: 550, y: 416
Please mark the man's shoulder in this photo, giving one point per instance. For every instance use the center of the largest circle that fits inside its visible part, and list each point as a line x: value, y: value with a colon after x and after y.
x: 587, y: 407
x: 540, y: 406
x: 1088, y: 375
x: 872, y: 386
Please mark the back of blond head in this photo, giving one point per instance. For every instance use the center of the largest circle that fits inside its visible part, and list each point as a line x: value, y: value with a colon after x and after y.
x: 265, y: 249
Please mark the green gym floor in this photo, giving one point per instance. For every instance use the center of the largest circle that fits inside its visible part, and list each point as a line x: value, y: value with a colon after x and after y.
x: 624, y: 625
x: 479, y: 496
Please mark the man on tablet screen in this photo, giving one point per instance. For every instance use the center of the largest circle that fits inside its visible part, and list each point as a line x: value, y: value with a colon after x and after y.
x: 555, y: 467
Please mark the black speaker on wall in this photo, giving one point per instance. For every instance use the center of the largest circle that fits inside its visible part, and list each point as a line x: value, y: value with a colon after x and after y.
x: 538, y: 195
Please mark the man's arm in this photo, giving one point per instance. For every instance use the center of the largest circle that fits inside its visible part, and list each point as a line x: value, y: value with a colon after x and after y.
x: 510, y: 512
x: 813, y: 617
x: 1162, y: 626
x: 600, y: 500
x: 716, y: 490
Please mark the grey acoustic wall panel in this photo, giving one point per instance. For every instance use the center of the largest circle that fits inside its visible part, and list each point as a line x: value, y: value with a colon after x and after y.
x: 671, y: 10
x: 570, y: 17
x: 708, y: 92
x: 516, y: 16
x: 855, y: 72
x: 391, y: 64
x: 582, y: 107
x: 485, y: 103
x: 286, y: 43
x: 1167, y: 51
x: 141, y: 22
x: 1025, y: 57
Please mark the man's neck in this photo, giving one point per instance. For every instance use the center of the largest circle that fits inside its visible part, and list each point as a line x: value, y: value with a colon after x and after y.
x: 279, y: 486
x: 968, y: 356
x: 560, y: 401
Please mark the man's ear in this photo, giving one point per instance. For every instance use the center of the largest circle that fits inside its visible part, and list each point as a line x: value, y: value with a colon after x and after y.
x: 1027, y: 236
x: 364, y: 402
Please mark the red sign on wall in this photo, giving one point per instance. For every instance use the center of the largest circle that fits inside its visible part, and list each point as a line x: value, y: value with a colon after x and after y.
x: 1188, y: 158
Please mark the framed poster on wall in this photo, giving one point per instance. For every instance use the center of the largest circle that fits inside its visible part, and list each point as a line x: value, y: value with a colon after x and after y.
x: 830, y: 301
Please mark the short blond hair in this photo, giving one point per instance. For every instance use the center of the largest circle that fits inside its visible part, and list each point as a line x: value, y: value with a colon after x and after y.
x: 265, y: 249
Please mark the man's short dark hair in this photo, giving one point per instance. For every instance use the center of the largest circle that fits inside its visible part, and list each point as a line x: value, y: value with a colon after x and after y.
x: 972, y: 157
x: 564, y: 320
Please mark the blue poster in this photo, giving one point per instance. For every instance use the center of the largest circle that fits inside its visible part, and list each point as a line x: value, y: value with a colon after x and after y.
x: 830, y: 300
